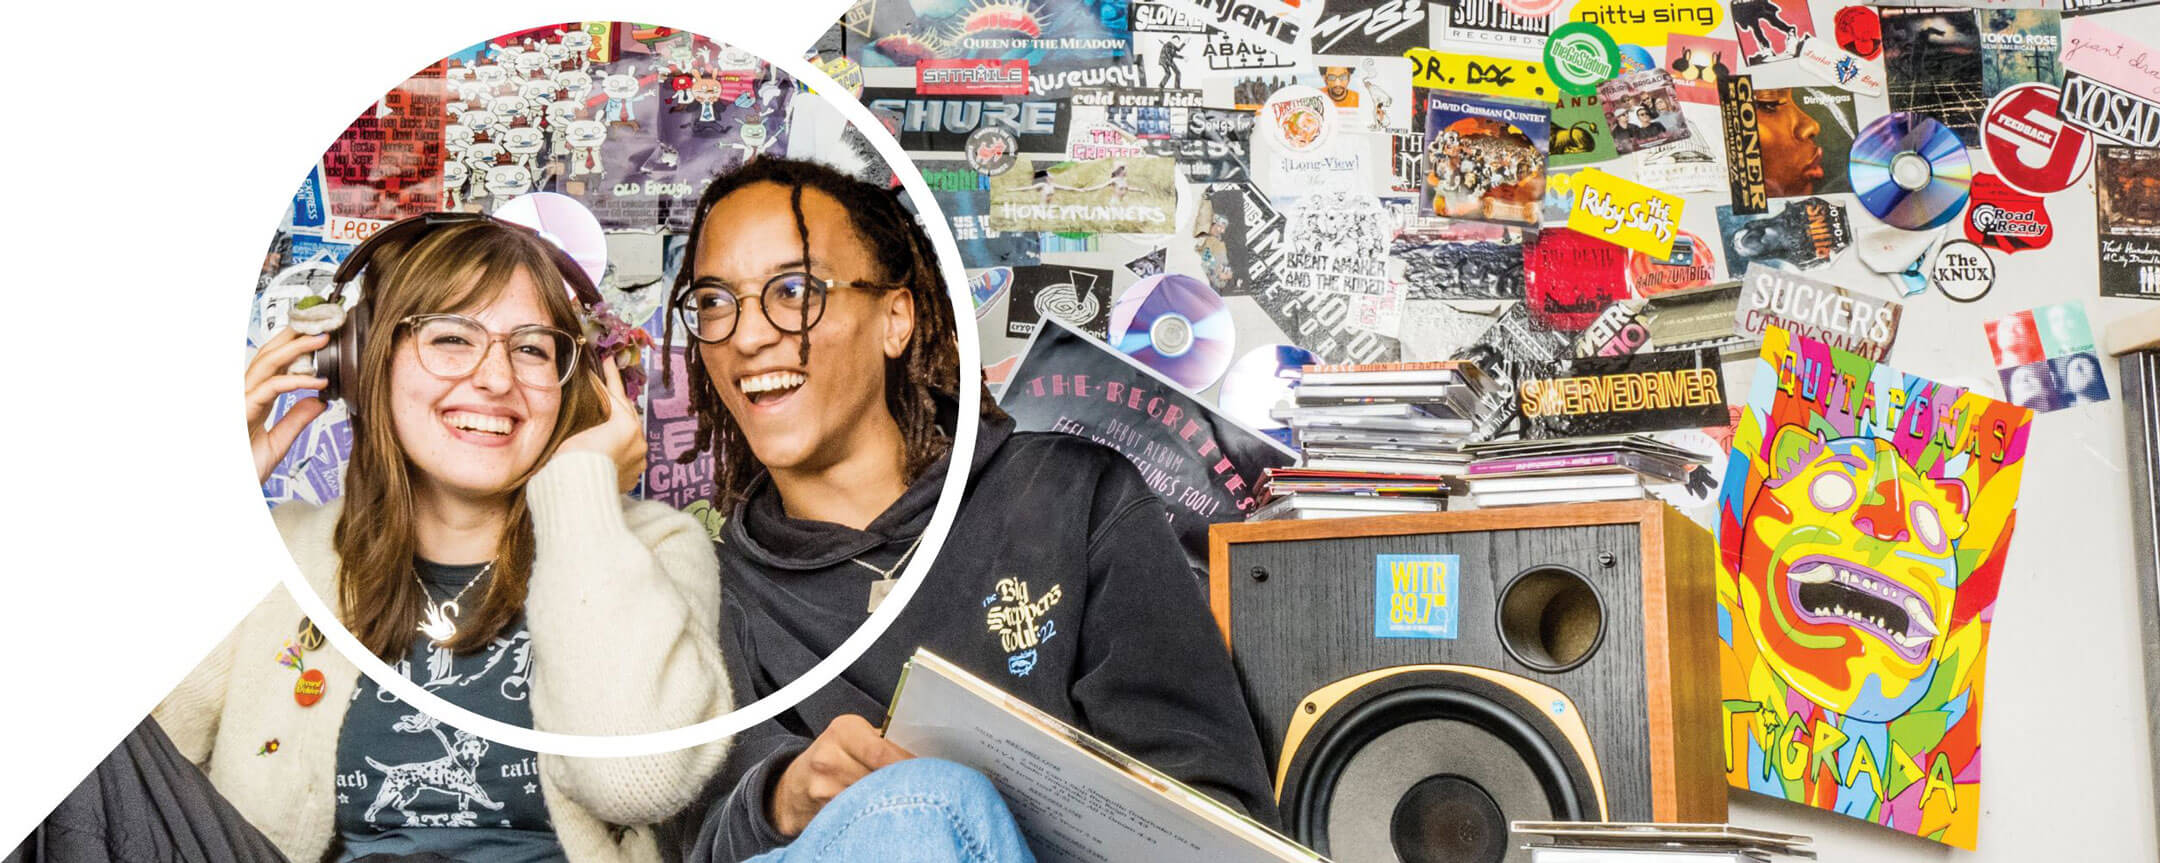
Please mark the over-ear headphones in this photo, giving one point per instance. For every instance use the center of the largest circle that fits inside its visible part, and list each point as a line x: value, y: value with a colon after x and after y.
x: 339, y: 361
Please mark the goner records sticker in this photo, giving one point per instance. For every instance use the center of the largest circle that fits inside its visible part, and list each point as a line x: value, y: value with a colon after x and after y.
x: 1579, y: 55
x: 992, y: 149
x: 1962, y: 271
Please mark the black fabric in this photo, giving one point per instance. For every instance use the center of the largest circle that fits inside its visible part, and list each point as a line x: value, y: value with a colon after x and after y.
x: 409, y: 784
x: 145, y: 803
x: 1061, y: 582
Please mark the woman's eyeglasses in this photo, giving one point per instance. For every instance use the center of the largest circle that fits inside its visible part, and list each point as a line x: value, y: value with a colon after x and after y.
x: 453, y: 346
x: 792, y: 303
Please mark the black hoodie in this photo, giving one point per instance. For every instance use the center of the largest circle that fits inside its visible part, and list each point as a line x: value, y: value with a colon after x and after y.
x: 1061, y: 582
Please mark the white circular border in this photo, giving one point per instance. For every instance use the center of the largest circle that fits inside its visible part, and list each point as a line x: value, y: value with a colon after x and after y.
x: 743, y: 716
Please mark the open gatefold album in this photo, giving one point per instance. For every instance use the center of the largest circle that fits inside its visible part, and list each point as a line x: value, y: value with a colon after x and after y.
x: 1074, y: 797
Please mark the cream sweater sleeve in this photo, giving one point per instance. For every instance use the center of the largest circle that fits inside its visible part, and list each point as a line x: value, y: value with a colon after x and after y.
x: 623, y: 609
x: 190, y: 712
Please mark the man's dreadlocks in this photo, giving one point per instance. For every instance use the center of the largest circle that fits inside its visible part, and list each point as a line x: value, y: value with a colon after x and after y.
x: 927, y: 370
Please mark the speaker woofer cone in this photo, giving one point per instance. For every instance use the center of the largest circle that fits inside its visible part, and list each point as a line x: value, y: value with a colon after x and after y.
x: 1416, y: 696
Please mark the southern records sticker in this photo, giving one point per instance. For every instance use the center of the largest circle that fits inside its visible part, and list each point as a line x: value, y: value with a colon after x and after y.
x: 2004, y: 218
x: 1962, y: 271
x: 2028, y: 143
x: 1414, y: 595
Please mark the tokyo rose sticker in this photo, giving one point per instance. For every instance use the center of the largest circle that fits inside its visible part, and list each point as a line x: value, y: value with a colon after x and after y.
x: 2004, y: 218
x: 2027, y: 141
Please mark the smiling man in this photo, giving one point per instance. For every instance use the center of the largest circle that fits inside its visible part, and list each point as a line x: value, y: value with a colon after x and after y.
x: 824, y: 368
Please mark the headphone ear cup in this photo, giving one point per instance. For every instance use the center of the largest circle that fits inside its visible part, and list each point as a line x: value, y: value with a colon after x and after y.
x: 341, y: 363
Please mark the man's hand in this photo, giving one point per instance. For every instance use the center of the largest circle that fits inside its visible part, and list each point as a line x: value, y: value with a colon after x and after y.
x: 846, y: 751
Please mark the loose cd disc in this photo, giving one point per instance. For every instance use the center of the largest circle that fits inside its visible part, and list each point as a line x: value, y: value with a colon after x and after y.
x: 564, y: 221
x: 1262, y: 379
x: 1911, y: 171
x: 1176, y: 325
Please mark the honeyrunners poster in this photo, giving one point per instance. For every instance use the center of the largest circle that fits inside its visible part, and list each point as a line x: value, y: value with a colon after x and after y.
x: 1862, y: 527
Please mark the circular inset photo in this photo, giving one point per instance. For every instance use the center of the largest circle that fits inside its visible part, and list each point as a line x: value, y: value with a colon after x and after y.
x: 536, y: 331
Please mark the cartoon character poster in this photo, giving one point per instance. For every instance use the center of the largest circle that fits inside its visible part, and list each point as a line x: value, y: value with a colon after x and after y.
x: 1863, y: 523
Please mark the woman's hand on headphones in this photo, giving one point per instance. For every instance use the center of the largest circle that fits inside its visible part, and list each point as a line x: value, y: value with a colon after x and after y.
x: 267, y: 379
x: 620, y: 437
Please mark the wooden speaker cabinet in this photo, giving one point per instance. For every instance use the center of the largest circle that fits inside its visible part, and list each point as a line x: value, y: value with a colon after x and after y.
x: 1421, y: 680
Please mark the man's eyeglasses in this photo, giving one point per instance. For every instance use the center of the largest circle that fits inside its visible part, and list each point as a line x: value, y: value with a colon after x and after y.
x: 792, y: 303
x: 453, y: 346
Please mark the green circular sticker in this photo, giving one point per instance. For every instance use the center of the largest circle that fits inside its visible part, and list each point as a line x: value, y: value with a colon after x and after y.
x: 1580, y: 55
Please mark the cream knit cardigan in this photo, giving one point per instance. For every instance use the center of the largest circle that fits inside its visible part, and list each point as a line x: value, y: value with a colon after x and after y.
x: 623, y: 610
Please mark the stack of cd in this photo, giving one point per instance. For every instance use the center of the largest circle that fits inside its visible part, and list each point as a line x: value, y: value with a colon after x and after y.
x: 1911, y: 171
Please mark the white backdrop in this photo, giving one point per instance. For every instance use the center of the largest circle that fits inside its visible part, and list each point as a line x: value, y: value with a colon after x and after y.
x: 153, y: 152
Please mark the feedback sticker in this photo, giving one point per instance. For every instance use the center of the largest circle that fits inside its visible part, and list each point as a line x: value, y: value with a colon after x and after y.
x: 1414, y: 595
x: 1625, y: 213
x: 2027, y: 141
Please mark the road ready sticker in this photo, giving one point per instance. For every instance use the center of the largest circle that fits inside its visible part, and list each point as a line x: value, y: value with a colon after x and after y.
x: 1414, y: 595
x: 2004, y: 218
x: 1625, y: 213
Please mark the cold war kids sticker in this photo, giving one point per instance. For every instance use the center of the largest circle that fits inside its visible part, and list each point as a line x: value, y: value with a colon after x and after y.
x: 1769, y: 297
x: 1846, y: 651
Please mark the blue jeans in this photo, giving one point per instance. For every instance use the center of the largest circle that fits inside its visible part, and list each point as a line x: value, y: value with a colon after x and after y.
x: 922, y: 810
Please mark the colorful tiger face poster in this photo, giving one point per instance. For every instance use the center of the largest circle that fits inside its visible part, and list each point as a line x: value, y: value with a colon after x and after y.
x: 1862, y: 529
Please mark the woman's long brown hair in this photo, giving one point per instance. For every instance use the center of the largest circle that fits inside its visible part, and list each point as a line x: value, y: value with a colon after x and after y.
x: 925, y: 372
x: 459, y: 267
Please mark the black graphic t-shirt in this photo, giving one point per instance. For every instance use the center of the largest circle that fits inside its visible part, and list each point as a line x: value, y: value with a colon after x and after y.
x: 407, y: 783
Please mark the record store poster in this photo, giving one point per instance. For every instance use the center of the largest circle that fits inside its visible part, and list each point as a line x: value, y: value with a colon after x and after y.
x: 1204, y: 465
x: 1863, y: 523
